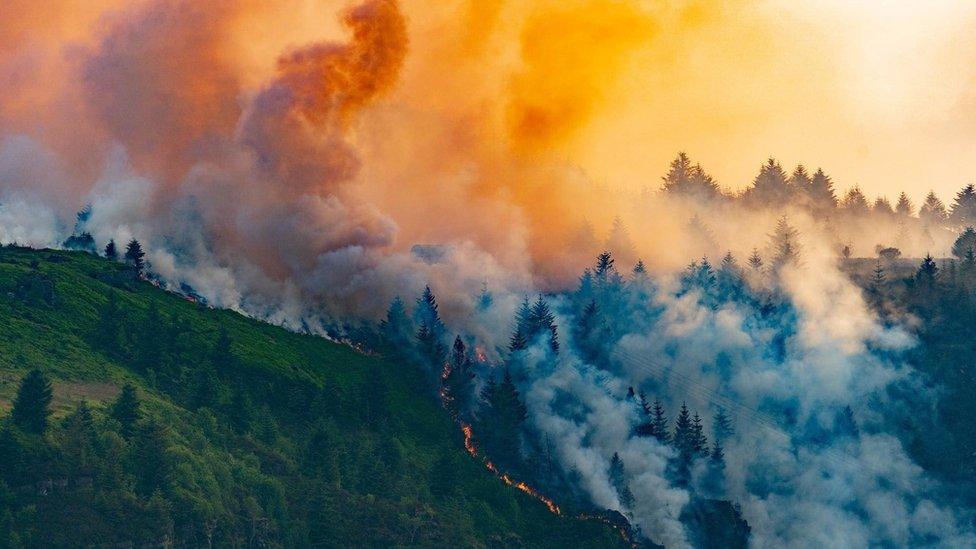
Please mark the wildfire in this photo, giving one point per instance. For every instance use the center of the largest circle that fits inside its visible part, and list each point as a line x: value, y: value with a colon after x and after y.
x: 480, y: 354
x: 473, y: 450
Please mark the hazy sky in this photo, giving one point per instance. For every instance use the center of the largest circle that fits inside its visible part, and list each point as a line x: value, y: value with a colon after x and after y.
x: 879, y: 94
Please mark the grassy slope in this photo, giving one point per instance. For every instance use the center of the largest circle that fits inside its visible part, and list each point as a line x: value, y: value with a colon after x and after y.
x: 54, y: 335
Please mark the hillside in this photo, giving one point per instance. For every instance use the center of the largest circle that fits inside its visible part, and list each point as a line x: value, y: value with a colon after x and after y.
x: 247, y: 435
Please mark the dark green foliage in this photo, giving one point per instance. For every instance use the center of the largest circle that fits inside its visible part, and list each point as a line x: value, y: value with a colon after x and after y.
x: 135, y: 256
x: 126, y: 411
x: 458, y: 384
x: 32, y: 407
x: 83, y: 242
x: 501, y: 421
x: 301, y: 441
x: 111, y: 252
x: 397, y: 329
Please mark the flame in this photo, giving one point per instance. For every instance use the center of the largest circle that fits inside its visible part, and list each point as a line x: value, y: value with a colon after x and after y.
x: 480, y: 354
x: 508, y: 480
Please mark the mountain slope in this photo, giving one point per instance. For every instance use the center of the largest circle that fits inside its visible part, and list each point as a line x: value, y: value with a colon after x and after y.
x: 248, y: 434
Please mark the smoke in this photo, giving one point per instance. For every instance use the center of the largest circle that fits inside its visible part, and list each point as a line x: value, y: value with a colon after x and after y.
x: 283, y: 160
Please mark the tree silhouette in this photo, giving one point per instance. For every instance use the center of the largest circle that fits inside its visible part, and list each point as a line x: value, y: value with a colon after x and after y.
x: 110, y: 251
x: 31, y: 408
x: 135, y: 255
x: 125, y: 410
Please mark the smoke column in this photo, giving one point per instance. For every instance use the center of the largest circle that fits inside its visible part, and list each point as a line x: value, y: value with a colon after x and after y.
x: 283, y: 159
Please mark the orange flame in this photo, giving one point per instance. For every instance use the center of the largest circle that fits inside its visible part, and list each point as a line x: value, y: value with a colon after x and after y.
x: 473, y: 450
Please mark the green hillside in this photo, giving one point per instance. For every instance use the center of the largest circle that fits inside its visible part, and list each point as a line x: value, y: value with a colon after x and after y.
x: 247, y: 434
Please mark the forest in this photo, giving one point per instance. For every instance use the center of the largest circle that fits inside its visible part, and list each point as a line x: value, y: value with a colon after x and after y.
x: 598, y: 406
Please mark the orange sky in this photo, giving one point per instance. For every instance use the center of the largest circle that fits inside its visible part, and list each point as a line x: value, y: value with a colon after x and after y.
x: 879, y: 94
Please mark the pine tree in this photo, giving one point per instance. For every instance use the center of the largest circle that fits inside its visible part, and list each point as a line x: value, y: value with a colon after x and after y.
x: 933, y: 212
x: 905, y: 207
x: 965, y: 243
x: 110, y: 251
x: 135, y: 256
x: 927, y: 271
x: 785, y: 244
x: 458, y: 384
x: 485, y: 299
x: 678, y: 178
x: 660, y: 422
x: 586, y: 331
x: 32, y: 406
x: 755, y: 260
x: 821, y: 195
x: 683, y: 438
x: 722, y: 427
x: 396, y: 329
x: 502, y: 421
x: 126, y: 411
x: 882, y: 207
x: 855, y: 203
x: 963, y: 210
x: 152, y: 458
x: 878, y: 277
x: 541, y: 323
x: 698, y: 436
x: 80, y: 439
x: 604, y: 267
x: 770, y: 188
x: 618, y: 479
x: 428, y: 314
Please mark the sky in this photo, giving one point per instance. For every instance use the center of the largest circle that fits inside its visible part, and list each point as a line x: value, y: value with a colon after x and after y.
x: 879, y: 94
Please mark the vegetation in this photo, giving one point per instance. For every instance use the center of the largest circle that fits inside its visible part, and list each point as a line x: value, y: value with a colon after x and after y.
x: 137, y: 417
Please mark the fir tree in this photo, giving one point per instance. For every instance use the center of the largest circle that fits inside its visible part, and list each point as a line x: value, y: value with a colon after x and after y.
x: 905, y: 207
x: 586, y: 331
x: 458, y: 384
x: 618, y: 479
x: 135, y: 256
x: 485, y: 299
x: 785, y: 244
x: 927, y: 271
x: 933, y: 212
x: 882, y: 207
x: 502, y: 420
x: 699, y: 442
x: 110, y: 251
x: 770, y: 188
x: 604, y: 267
x: 660, y: 422
x: 820, y: 194
x: 965, y: 243
x: 755, y: 260
x: 152, y: 458
x: 396, y: 329
x: 855, y: 203
x: 125, y: 410
x: 428, y: 314
x: 678, y: 178
x: 722, y: 427
x: 32, y: 405
x: 683, y: 435
x: 963, y: 210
